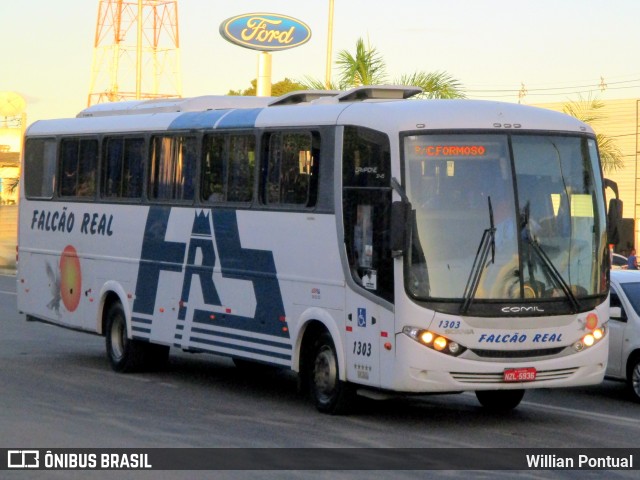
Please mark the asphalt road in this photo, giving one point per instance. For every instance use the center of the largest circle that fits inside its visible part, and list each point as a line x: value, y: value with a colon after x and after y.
x: 58, y: 391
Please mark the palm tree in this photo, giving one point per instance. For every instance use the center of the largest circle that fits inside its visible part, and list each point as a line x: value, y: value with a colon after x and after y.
x: 433, y: 84
x: 367, y: 67
x: 587, y: 110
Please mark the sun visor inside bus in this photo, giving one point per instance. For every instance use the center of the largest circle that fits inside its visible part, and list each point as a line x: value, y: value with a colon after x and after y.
x: 241, y: 118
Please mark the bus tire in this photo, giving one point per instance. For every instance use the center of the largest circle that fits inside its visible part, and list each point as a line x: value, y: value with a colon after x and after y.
x: 128, y: 355
x: 330, y: 394
x: 633, y: 376
x: 500, y: 400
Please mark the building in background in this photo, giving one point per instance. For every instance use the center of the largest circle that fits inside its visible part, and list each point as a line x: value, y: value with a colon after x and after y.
x: 13, y: 120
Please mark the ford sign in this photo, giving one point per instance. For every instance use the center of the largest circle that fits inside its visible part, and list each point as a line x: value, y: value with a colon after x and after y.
x: 265, y: 31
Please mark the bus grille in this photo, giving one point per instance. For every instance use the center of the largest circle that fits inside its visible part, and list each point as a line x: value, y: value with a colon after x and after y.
x: 541, y: 352
x: 542, y: 375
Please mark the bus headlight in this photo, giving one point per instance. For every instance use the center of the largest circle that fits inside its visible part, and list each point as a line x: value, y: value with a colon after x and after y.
x: 590, y: 339
x: 434, y: 341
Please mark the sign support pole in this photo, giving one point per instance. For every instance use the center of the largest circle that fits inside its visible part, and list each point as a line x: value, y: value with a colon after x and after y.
x: 327, y: 78
x: 263, y: 84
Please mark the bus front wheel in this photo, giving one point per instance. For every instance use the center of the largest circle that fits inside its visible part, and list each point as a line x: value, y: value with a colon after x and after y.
x: 129, y: 355
x: 330, y: 394
x: 500, y: 400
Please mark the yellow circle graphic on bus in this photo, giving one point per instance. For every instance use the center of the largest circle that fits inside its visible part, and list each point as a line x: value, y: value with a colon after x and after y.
x: 70, y: 278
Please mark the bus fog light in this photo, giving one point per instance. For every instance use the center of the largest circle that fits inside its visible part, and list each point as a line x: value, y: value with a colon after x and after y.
x: 578, y: 346
x: 454, y: 347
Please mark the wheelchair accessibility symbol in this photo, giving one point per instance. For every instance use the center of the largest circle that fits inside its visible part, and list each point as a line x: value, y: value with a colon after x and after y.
x: 362, y: 317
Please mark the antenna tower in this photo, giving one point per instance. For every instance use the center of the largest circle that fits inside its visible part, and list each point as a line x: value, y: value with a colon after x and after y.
x: 136, y: 51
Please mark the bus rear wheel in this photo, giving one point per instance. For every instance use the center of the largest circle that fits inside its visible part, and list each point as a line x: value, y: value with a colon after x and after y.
x: 500, y: 400
x: 330, y: 394
x: 129, y: 355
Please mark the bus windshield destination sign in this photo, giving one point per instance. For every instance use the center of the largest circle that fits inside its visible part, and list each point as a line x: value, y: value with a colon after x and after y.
x: 265, y: 31
x: 451, y: 150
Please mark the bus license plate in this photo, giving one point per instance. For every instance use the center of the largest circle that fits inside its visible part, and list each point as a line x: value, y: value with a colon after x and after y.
x: 519, y: 374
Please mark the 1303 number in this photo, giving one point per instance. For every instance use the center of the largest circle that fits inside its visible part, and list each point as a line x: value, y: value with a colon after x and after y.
x: 362, y: 348
x: 449, y: 324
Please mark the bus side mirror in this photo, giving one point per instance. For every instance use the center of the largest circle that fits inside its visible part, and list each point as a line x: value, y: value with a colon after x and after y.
x: 617, y: 313
x: 614, y: 221
x: 399, y: 224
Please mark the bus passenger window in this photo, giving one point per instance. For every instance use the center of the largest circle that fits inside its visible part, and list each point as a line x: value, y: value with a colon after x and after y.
x: 227, y: 168
x: 172, y: 169
x: 78, y: 161
x: 39, y: 167
x: 214, y: 169
x: 291, y: 168
x: 123, y: 167
x: 241, y: 165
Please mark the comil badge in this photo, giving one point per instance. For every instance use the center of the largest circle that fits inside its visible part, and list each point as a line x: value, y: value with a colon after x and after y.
x: 265, y: 31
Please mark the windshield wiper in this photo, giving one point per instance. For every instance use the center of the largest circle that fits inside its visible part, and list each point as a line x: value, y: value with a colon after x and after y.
x: 557, y: 276
x: 487, y: 244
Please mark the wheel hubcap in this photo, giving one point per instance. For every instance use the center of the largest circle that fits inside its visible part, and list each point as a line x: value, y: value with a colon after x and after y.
x: 325, y: 373
x: 118, y: 338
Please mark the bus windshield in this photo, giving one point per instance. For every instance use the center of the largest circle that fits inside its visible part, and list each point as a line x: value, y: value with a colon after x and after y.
x: 538, y: 198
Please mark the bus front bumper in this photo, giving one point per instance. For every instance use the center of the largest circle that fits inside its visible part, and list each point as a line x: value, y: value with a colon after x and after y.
x: 422, y: 370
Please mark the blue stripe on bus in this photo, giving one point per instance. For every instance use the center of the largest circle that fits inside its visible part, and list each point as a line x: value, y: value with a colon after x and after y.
x: 141, y: 320
x: 267, y: 353
x: 193, y: 120
x: 242, y: 118
x: 244, y: 338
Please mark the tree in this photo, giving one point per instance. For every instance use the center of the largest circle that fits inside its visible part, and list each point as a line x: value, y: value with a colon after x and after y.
x: 277, y: 89
x: 367, y: 67
x: 587, y: 110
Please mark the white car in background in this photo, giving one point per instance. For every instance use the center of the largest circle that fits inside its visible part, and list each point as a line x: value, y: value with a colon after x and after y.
x: 624, y: 329
x: 619, y: 262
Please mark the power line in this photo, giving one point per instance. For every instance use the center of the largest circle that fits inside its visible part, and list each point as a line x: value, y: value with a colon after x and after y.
x: 594, y: 85
x: 525, y: 91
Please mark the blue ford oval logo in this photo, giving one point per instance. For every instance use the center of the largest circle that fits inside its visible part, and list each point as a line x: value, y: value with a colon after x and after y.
x: 265, y: 31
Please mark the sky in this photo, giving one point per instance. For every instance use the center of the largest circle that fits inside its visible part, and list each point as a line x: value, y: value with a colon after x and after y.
x: 557, y: 49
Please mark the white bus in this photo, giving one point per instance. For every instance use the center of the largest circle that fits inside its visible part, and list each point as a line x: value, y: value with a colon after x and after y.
x: 372, y: 243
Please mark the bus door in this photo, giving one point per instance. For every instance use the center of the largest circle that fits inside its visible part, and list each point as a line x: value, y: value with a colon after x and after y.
x: 370, y: 316
x: 366, y: 209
